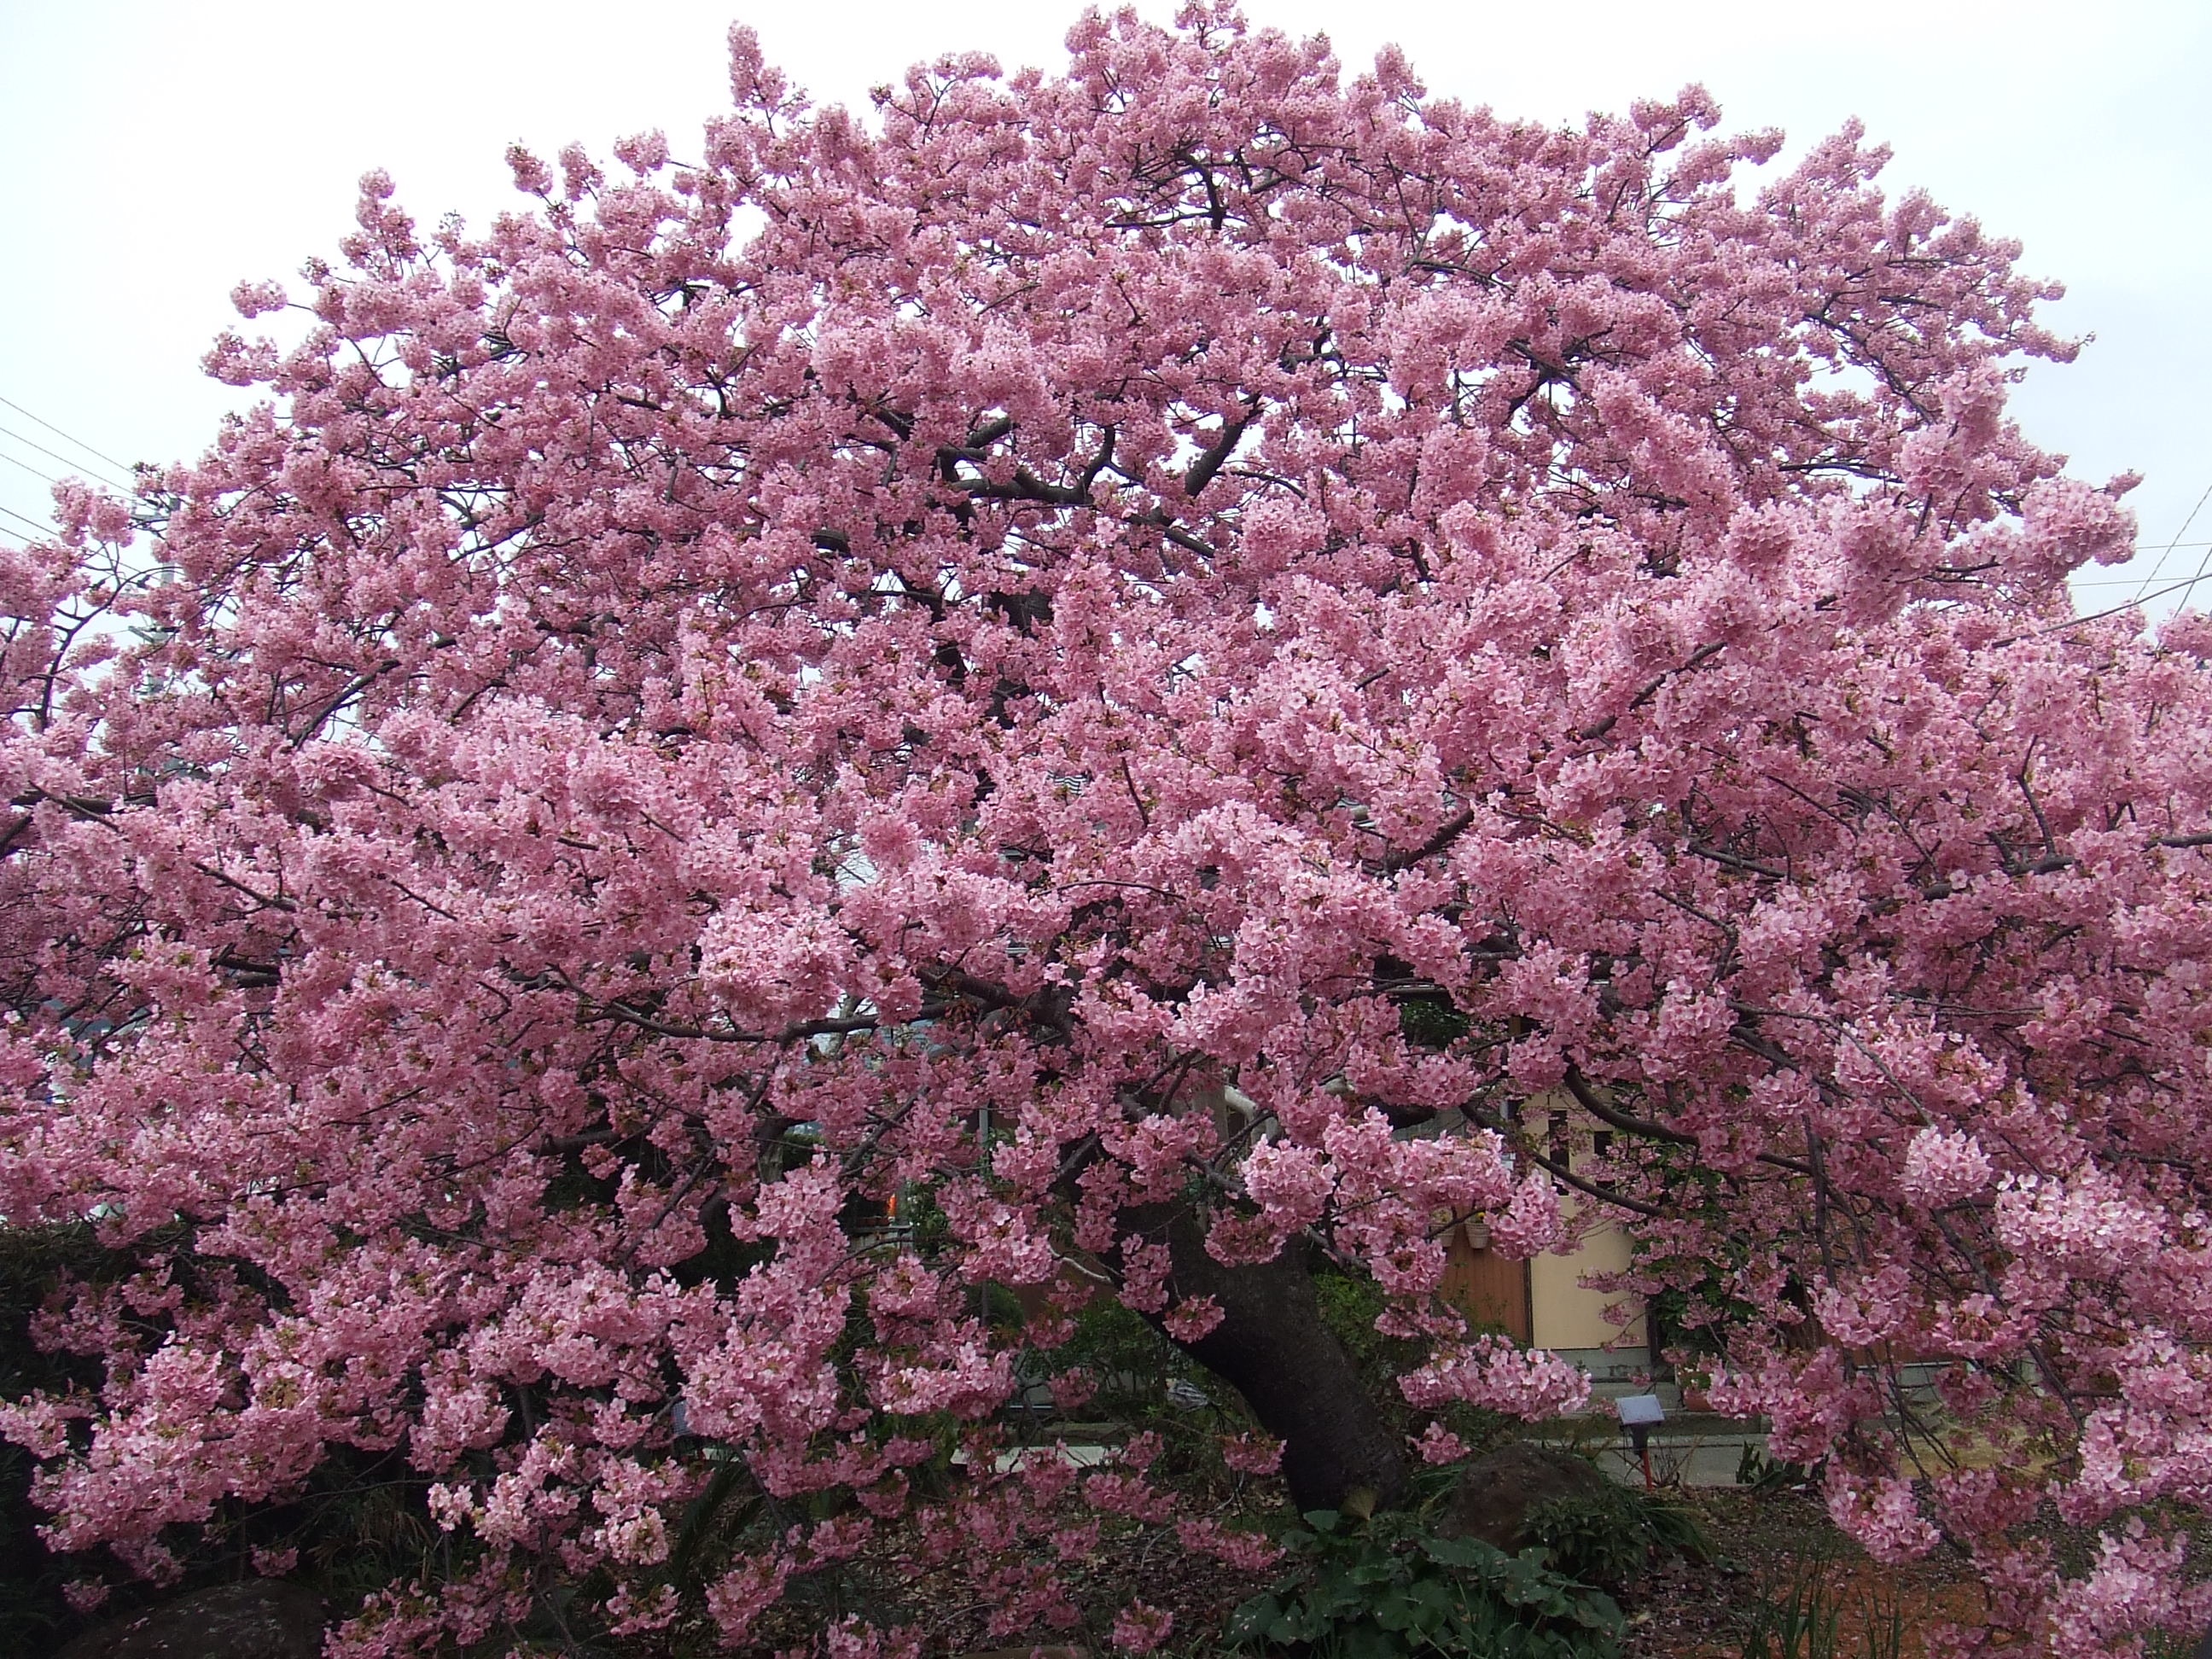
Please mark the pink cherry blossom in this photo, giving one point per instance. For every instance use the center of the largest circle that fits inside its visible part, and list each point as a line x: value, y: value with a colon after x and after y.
x: 1942, y: 1169
x: 1141, y: 1627
x: 1492, y: 1373
x: 1252, y: 1454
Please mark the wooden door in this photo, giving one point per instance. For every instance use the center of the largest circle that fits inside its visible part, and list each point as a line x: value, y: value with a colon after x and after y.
x: 1489, y: 1289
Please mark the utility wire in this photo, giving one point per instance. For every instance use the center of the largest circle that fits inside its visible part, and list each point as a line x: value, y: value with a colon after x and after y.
x: 2204, y: 563
x: 52, y: 454
x: 37, y: 529
x: 28, y: 468
x: 2177, y: 542
x: 122, y: 466
x: 2125, y: 581
x: 2100, y: 616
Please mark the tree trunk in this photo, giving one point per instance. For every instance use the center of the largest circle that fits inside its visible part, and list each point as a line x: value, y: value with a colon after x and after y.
x: 1273, y: 1348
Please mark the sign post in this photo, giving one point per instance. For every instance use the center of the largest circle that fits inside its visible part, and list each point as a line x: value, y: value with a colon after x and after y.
x: 1639, y: 1412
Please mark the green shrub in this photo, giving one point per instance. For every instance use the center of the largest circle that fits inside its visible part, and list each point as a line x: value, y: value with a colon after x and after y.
x: 1766, y: 1475
x: 1611, y: 1537
x: 1430, y: 1022
x: 1387, y: 1589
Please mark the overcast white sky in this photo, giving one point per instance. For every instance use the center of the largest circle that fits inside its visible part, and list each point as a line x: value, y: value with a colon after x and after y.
x: 155, y: 152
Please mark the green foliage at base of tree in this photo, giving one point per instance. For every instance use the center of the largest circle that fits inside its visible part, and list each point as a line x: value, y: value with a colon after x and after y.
x: 1388, y: 1588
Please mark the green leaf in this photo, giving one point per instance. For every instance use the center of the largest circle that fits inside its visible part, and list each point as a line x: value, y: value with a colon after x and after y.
x: 1427, y: 1605
x: 1252, y: 1617
x: 1461, y: 1552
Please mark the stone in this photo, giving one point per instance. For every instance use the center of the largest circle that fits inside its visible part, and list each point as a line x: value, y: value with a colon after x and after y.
x: 255, y: 1619
x: 1494, y: 1496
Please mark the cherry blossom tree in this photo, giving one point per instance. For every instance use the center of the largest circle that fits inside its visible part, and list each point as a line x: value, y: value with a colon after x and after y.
x: 1147, y: 657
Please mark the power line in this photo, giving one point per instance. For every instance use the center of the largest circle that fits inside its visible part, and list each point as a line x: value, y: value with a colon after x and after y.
x: 28, y: 468
x: 2176, y: 541
x: 2123, y: 581
x: 2203, y: 565
x: 52, y: 454
x: 2100, y: 616
x: 79, y: 443
x: 37, y: 529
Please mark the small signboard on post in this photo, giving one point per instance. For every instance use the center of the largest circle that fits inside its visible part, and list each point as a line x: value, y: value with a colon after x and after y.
x: 1637, y: 1413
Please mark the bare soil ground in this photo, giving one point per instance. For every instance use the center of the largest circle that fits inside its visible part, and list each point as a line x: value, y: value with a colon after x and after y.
x: 1771, y: 1552
x: 1775, y: 1561
x: 1774, y: 1551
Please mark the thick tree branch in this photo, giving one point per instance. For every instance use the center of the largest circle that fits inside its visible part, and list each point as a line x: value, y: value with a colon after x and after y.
x: 1447, y: 832
x: 1202, y: 470
x: 1597, y: 729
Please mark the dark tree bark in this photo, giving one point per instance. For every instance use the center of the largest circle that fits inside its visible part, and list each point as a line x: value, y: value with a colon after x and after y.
x: 1271, y: 1346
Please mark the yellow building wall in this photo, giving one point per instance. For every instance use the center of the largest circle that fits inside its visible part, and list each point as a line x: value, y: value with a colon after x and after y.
x: 1567, y: 1313
x: 1544, y: 1303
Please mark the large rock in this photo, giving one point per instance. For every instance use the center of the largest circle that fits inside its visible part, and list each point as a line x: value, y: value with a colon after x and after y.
x: 1493, y: 1498
x: 258, y: 1618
